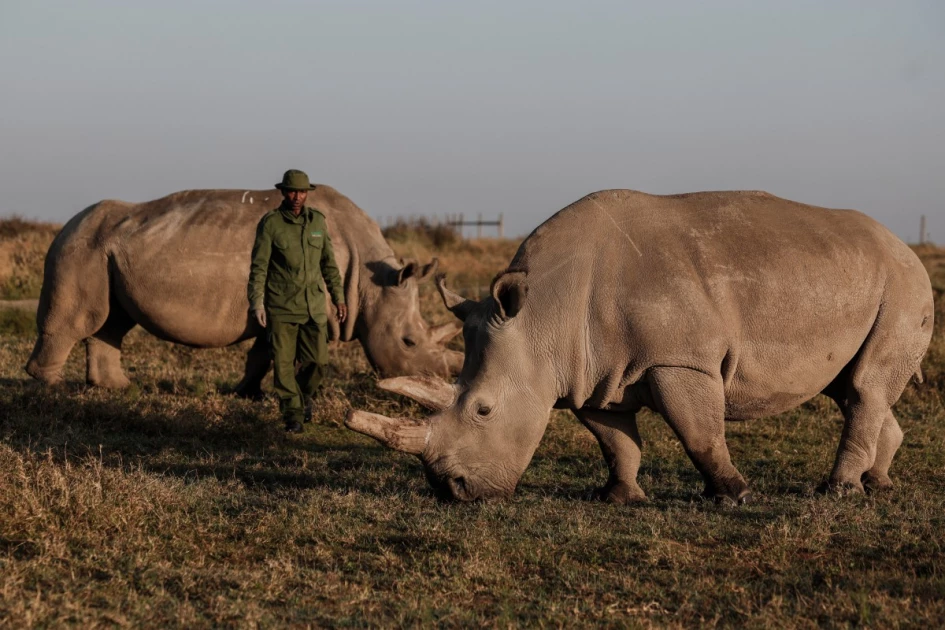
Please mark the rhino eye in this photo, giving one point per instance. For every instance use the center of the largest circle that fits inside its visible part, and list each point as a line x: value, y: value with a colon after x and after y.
x: 410, y: 343
x: 484, y: 410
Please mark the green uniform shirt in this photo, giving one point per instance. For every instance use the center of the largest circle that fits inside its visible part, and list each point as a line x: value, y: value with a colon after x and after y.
x: 292, y: 259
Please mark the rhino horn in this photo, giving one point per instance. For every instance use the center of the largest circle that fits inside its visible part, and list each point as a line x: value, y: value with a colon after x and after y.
x: 445, y: 332
x: 457, y: 304
x: 431, y: 392
x: 400, y: 434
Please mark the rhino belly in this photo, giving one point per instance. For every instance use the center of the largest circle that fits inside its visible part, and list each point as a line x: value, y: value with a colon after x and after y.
x: 198, y: 301
x: 773, y: 376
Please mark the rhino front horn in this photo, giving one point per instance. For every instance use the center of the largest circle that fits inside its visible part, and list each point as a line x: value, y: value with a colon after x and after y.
x: 400, y: 434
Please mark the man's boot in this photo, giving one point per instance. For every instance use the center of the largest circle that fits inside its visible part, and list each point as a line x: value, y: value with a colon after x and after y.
x: 293, y: 425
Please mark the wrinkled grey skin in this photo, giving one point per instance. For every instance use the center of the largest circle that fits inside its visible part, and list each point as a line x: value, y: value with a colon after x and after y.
x: 704, y: 307
x: 178, y: 266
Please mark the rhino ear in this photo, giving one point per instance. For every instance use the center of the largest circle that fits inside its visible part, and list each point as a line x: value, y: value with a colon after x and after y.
x: 509, y: 290
x: 415, y: 270
x: 457, y: 304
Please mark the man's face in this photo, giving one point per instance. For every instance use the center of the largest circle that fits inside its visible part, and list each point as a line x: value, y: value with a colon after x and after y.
x: 295, y: 199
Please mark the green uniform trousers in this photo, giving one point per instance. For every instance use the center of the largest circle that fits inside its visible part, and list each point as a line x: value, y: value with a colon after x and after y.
x: 308, y: 343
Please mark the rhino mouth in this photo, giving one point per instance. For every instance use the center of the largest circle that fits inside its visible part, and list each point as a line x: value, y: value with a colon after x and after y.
x: 448, y: 486
x: 448, y: 489
x: 457, y: 486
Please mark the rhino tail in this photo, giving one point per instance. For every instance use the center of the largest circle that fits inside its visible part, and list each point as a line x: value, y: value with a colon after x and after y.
x: 918, y: 376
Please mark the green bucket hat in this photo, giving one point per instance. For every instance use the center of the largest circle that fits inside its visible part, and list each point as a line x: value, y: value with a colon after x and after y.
x: 295, y: 180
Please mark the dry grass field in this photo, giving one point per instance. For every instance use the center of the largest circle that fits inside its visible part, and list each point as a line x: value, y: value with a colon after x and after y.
x: 173, y: 503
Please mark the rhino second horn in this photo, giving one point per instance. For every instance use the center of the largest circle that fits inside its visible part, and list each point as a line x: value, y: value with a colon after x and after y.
x: 431, y: 392
x: 400, y: 434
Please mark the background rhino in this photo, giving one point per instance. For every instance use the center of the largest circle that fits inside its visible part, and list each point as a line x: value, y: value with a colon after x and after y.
x: 178, y: 266
x: 703, y: 307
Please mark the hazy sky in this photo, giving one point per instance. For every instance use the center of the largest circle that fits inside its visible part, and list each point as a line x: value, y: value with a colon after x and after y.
x: 517, y: 107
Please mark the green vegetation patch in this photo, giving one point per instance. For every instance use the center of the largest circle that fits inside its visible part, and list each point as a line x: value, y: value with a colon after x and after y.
x: 23, y: 246
x: 16, y: 322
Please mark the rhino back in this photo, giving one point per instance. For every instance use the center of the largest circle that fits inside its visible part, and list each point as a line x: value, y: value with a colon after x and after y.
x: 777, y: 295
x: 180, y: 264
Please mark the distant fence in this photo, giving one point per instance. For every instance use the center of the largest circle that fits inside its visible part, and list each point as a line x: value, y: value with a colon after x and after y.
x: 460, y: 222
x: 457, y: 221
x: 924, y: 236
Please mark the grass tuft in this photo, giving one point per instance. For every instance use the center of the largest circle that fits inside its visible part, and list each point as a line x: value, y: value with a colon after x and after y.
x: 23, y: 246
x: 430, y: 234
x: 17, y: 323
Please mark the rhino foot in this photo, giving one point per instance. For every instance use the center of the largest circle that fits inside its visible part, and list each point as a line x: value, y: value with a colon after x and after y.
x: 842, y: 488
x: 620, y: 493
x: 724, y: 499
x: 109, y: 381
x: 876, y: 482
x: 49, y: 376
x: 735, y: 492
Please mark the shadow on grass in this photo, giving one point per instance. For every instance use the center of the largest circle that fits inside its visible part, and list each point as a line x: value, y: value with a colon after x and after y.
x: 223, y: 438
x: 198, y: 437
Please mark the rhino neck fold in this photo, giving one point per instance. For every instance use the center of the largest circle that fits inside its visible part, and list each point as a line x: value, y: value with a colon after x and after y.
x: 569, y: 355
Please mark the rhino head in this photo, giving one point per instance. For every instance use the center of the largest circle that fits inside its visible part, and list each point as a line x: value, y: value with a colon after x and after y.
x: 395, y: 337
x: 488, y: 424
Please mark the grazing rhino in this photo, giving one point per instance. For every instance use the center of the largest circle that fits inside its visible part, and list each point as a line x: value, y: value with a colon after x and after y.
x: 703, y: 307
x: 179, y: 266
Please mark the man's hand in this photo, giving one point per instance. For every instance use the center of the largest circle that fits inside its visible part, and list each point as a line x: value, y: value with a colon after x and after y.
x: 260, y: 315
x: 342, y: 313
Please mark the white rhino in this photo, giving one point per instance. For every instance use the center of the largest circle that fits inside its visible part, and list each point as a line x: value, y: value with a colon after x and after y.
x: 704, y: 307
x: 179, y: 266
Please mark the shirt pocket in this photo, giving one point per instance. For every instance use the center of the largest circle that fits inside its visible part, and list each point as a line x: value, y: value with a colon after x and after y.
x: 288, y: 251
x: 316, y: 240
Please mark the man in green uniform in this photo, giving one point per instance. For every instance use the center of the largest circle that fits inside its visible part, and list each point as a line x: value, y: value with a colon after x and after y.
x: 292, y: 262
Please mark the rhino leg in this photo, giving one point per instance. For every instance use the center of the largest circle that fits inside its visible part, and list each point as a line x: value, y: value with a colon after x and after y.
x: 865, y: 392
x: 49, y: 356
x: 59, y: 330
x: 73, y: 304
x: 620, y: 443
x: 871, y: 436
x: 103, y: 351
x: 258, y: 363
x: 693, y: 404
x: 890, y: 438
